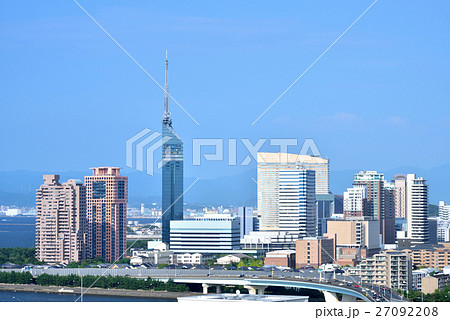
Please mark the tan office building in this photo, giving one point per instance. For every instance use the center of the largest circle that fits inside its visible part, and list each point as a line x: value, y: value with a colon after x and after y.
x: 281, y: 258
x: 355, y: 239
x: 314, y: 251
x: 60, y: 220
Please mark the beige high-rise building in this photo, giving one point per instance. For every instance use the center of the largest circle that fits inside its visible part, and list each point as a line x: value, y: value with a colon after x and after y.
x: 106, y: 201
x: 269, y: 167
x: 60, y: 220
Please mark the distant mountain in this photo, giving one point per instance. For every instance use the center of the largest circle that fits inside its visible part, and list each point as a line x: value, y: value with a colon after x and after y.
x: 18, y: 187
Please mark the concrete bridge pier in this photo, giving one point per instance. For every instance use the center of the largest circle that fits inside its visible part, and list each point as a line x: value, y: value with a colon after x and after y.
x: 206, y: 286
x: 330, y: 296
x: 348, y: 298
x: 252, y: 289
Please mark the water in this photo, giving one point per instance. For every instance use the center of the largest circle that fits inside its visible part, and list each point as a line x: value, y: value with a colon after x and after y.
x: 144, y: 220
x: 11, y: 296
x: 17, y: 232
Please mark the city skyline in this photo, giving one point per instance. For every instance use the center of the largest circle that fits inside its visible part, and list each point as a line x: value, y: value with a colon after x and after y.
x: 353, y: 107
x: 304, y: 155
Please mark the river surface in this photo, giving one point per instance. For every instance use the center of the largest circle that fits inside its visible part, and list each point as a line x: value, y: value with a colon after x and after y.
x: 11, y: 296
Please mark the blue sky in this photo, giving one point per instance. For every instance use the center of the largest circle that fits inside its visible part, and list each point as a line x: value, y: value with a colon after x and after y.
x: 70, y: 97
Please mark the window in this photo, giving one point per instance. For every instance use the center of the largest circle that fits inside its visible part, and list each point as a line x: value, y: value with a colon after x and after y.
x: 98, y: 189
x: 121, y: 189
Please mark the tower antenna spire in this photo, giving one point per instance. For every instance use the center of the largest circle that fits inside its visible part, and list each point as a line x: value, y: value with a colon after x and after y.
x: 166, y: 119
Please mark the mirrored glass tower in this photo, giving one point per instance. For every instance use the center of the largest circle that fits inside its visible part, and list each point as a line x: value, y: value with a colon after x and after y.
x: 172, y: 170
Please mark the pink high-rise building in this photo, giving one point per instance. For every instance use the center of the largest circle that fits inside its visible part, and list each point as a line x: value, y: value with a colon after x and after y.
x: 106, y: 201
x: 400, y: 195
x: 60, y: 220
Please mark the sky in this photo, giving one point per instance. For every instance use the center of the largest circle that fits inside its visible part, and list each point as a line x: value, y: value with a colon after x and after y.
x: 70, y: 97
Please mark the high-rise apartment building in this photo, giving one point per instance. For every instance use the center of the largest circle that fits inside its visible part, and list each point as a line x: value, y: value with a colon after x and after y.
x: 269, y: 166
x: 355, y: 201
x: 374, y: 183
x: 400, y: 195
x: 172, y: 170
x: 106, y: 202
x: 417, y: 209
x: 297, y: 202
x: 60, y: 220
x: 444, y: 211
x: 388, y: 218
x: 380, y: 205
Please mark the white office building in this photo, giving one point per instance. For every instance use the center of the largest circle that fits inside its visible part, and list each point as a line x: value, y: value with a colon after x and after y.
x: 297, y: 203
x: 269, y: 166
x: 156, y: 255
x: 268, y: 241
x: 355, y: 201
x: 417, y: 209
x: 444, y: 210
x: 205, y: 235
x: 443, y: 230
x: 189, y: 258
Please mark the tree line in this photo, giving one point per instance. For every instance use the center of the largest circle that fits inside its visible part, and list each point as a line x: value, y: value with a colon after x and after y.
x: 108, y: 282
x: 437, y: 296
x: 18, y: 256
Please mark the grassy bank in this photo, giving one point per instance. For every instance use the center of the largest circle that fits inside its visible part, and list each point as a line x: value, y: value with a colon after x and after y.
x: 108, y: 282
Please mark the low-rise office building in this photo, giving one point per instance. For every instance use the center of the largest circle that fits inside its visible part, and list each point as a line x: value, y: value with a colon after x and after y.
x: 232, y: 258
x: 189, y: 258
x: 436, y: 282
x: 417, y: 276
x: 152, y: 257
x: 268, y: 241
x: 204, y: 236
x: 314, y: 251
x: 282, y: 258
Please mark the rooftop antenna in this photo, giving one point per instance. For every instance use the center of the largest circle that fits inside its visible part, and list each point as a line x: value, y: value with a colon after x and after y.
x: 166, y: 119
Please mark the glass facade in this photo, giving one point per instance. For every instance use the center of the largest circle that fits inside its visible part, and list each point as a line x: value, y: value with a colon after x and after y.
x: 172, y: 179
x: 121, y: 189
x: 98, y: 190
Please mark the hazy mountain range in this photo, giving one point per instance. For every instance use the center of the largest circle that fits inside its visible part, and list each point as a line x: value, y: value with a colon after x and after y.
x: 18, y: 187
